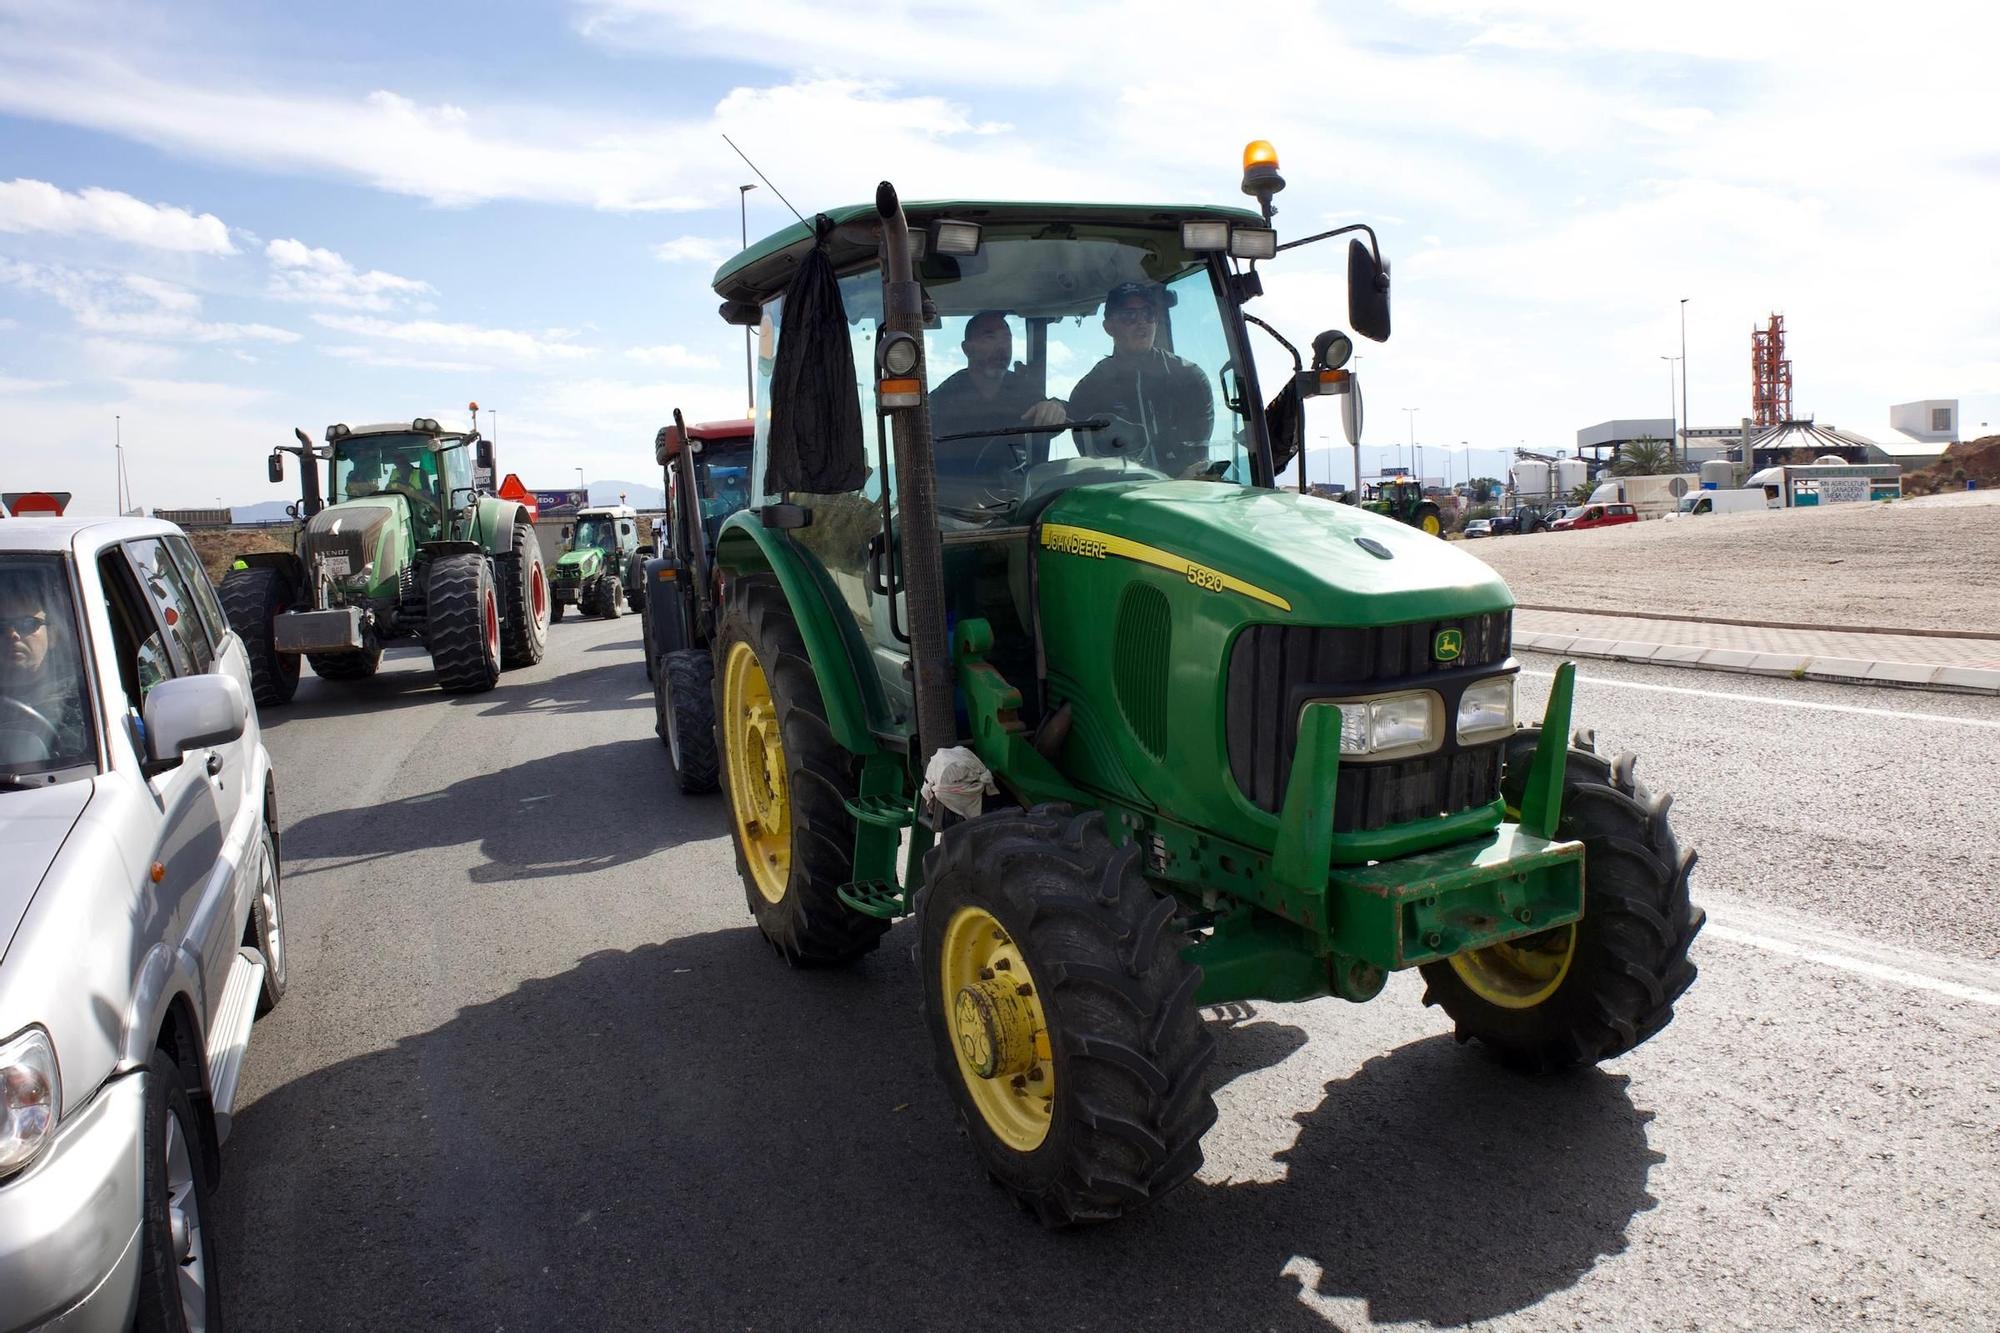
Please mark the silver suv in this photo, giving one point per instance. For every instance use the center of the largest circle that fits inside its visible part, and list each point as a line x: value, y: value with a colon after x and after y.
x: 141, y: 928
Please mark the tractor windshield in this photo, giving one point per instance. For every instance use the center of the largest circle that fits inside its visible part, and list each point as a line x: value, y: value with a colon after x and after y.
x: 385, y: 464
x: 725, y: 479
x: 599, y: 530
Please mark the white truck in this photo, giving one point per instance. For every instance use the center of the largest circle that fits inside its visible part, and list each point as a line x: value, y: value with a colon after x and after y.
x: 1809, y: 485
x: 1722, y: 502
x: 1652, y: 497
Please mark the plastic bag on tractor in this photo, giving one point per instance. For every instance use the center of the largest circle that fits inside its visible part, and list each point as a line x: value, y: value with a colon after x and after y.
x: 816, y: 443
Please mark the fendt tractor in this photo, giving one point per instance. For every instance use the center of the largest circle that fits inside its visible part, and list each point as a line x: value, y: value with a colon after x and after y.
x: 1403, y: 500
x: 1242, y: 743
x: 599, y: 549
x: 401, y: 546
x: 707, y: 479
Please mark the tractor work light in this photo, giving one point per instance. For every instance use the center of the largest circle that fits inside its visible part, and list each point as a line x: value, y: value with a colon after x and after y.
x: 337, y: 431
x: 1253, y: 242
x: 426, y: 425
x: 1391, y: 726
x: 954, y: 238
x: 1486, y: 711
x: 898, y: 354
x: 1201, y: 237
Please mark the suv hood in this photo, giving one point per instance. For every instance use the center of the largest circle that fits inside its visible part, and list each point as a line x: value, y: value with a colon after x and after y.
x: 34, y: 824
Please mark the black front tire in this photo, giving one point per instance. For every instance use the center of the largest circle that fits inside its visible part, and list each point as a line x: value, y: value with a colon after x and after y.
x: 556, y: 610
x: 524, y: 584
x: 809, y: 925
x: 464, y: 624
x: 684, y: 697
x: 267, y: 928
x: 346, y: 666
x: 253, y: 598
x: 1129, y: 1051
x: 1629, y: 960
x: 610, y: 598
x: 163, y: 1262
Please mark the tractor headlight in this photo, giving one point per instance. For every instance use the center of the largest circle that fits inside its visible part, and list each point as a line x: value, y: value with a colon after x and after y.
x: 1486, y: 710
x: 30, y: 1098
x: 1394, y: 725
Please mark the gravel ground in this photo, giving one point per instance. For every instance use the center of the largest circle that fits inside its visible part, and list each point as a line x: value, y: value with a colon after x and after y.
x: 1921, y: 564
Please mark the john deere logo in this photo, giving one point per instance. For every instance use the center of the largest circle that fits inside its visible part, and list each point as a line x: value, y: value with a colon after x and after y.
x: 1448, y: 645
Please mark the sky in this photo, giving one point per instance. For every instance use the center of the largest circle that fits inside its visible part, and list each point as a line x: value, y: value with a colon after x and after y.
x: 218, y: 221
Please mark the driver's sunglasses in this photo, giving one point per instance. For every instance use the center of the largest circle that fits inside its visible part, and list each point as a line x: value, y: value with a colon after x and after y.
x: 25, y: 626
x: 1135, y: 314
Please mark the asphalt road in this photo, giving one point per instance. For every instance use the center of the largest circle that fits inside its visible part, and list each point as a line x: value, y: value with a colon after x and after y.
x: 538, y: 1070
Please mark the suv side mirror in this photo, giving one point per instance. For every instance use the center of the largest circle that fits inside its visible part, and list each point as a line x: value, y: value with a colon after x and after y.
x: 192, y: 711
x: 1367, y: 292
x: 275, y: 468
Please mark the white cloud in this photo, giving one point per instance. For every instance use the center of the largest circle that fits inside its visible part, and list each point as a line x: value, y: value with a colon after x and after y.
x: 192, y: 393
x: 15, y: 384
x: 693, y: 250
x: 369, y: 356
x: 132, y: 305
x: 674, y: 357
x: 321, y: 277
x: 118, y: 357
x: 469, y: 340
x: 37, y: 206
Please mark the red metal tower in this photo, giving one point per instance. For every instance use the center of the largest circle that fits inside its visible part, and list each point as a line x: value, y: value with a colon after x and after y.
x: 1770, y: 375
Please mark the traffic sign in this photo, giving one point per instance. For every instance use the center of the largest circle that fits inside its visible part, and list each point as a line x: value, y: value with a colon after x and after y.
x: 21, y: 504
x: 512, y: 489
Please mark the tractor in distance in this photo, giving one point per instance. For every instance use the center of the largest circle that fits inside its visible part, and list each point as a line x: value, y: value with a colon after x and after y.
x: 400, y: 546
x: 600, y: 557
x: 1243, y: 743
x: 1402, y: 498
x: 707, y: 475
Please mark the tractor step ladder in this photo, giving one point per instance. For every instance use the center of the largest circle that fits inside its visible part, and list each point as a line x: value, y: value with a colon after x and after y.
x: 895, y: 812
x: 875, y: 897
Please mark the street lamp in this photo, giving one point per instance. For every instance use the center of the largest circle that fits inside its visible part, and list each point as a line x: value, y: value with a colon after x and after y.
x: 1410, y: 415
x: 582, y: 491
x: 749, y: 373
x: 1685, y: 422
x: 1673, y: 426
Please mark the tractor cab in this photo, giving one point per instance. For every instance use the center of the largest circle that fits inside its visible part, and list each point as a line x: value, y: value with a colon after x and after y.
x: 598, y: 549
x: 430, y: 470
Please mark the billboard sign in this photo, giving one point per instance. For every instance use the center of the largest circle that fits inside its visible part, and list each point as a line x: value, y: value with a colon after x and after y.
x: 559, y: 503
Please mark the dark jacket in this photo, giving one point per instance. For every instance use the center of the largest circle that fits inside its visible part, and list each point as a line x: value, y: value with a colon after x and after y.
x: 1162, y: 407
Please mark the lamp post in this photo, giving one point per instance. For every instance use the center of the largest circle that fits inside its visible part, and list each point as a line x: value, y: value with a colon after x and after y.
x: 1410, y: 415
x: 583, y: 492
x: 1673, y: 426
x: 1685, y: 422
x: 749, y: 365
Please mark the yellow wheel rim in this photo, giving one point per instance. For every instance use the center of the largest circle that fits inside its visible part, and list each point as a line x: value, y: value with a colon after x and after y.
x: 1432, y: 525
x: 1518, y: 974
x: 998, y: 1028
x: 759, y: 795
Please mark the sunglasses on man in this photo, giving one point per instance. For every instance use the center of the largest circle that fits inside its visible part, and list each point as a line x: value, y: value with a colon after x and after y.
x: 25, y: 626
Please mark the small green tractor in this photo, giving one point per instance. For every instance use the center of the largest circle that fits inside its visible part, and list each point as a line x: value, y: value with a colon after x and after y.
x: 707, y: 473
x: 1402, y: 499
x: 400, y: 546
x: 1242, y: 742
x: 598, y: 570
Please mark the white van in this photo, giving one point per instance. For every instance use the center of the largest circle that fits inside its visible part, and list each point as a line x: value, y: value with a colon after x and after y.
x: 1721, y: 502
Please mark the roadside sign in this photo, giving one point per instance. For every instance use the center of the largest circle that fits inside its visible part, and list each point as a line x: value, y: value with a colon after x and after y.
x: 512, y: 489
x: 560, y: 502
x: 22, y: 504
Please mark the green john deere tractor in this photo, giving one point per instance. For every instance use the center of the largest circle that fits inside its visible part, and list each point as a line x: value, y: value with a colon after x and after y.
x: 600, y: 558
x: 401, y: 546
x: 1402, y: 499
x: 1160, y: 735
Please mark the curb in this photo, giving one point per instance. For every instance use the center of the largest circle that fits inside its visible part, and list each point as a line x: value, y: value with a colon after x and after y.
x: 1797, y: 666
x: 1761, y: 624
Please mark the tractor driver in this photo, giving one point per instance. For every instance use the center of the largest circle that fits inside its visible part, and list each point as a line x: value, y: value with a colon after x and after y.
x: 989, y: 393
x: 1159, y: 404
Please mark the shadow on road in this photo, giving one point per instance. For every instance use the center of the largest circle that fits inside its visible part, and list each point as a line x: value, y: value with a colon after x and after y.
x: 592, y: 690
x: 563, y: 814
x: 620, y: 646
x: 688, y: 1135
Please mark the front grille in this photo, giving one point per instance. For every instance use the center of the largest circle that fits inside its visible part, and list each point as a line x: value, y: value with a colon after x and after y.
x: 1275, y: 669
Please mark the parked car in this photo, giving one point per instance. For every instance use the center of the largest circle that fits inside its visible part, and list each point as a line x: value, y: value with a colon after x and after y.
x: 140, y: 916
x: 1595, y: 515
x: 1478, y: 527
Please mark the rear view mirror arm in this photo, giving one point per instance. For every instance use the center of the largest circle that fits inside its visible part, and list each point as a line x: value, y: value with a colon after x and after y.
x: 1374, y: 247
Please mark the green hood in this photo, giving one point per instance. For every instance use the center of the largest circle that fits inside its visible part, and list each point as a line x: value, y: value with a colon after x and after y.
x: 370, y: 530
x: 1292, y: 557
x: 584, y: 563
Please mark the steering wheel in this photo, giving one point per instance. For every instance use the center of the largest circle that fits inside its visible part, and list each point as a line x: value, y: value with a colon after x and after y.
x: 51, y: 737
x: 1012, y: 462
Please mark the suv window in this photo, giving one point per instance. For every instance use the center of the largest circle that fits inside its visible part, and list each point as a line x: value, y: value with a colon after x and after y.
x: 175, y: 601
x: 144, y: 653
x: 45, y: 729
x: 210, y: 606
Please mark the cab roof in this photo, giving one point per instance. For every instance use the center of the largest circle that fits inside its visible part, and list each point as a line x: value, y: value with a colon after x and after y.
x: 766, y: 268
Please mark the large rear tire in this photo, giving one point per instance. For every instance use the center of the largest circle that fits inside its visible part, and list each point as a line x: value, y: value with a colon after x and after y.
x: 253, y: 598
x: 610, y: 597
x: 346, y: 666
x: 525, y: 585
x: 787, y: 781
x: 1430, y: 519
x: 1585, y: 993
x: 684, y: 698
x: 1062, y: 1014
x: 464, y: 624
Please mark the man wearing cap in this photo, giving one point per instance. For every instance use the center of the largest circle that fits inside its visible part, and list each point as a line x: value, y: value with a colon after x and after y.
x: 987, y: 395
x: 1160, y: 406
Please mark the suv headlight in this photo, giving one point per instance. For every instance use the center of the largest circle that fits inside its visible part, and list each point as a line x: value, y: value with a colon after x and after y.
x: 1486, y: 710
x: 1393, y: 725
x: 30, y: 1098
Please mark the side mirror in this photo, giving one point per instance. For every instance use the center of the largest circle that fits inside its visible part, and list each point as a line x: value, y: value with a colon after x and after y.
x: 482, y: 453
x: 568, y: 531
x: 1367, y: 292
x: 743, y: 314
x: 667, y: 445
x: 275, y: 467
x: 191, y: 711
x: 1350, y: 410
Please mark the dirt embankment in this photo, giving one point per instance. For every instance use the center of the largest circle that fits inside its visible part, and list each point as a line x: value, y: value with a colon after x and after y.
x: 217, y: 547
x: 1922, y: 564
x: 1971, y: 460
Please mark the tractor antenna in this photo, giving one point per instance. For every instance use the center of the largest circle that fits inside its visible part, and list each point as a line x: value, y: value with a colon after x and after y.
x: 762, y: 177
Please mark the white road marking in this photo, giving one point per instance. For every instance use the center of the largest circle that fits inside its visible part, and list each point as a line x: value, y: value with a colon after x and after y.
x: 1740, y: 923
x: 1582, y: 679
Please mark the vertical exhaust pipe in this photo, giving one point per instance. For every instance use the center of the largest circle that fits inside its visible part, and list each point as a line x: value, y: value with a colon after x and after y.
x: 308, y: 474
